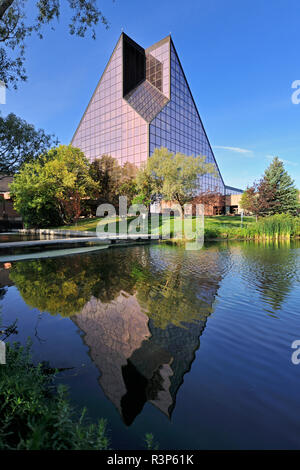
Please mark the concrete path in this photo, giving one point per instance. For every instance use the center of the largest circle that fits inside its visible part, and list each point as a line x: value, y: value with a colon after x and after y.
x: 54, y: 241
x: 79, y: 241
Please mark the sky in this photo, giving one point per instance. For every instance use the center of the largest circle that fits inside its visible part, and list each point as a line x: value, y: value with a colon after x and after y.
x: 240, y: 59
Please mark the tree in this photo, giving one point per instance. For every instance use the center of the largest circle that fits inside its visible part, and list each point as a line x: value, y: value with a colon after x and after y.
x: 249, y: 200
x: 20, y: 143
x: 286, y: 194
x: 144, y: 188
x: 113, y: 180
x: 175, y: 176
x: 106, y: 172
x: 259, y: 199
x: 15, y: 28
x: 274, y: 194
x: 43, y: 189
x: 127, y: 184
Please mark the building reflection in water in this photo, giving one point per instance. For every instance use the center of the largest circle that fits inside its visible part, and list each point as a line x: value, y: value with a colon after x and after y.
x: 141, y: 357
x: 141, y: 311
x: 138, y: 361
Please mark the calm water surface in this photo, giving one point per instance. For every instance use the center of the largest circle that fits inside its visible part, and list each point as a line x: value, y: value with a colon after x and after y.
x: 18, y: 237
x: 193, y: 346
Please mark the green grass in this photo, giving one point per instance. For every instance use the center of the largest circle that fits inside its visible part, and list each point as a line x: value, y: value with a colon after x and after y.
x: 215, y: 225
x: 218, y: 227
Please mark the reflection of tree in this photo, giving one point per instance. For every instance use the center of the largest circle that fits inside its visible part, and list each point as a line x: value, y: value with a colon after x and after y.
x: 143, y: 344
x: 169, y: 297
x: 64, y: 285
x: 3, y: 291
x: 57, y: 285
x: 272, y: 268
x: 142, y: 311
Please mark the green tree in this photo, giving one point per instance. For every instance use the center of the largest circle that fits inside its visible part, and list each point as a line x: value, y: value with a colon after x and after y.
x: 106, y: 172
x: 144, y: 187
x: 42, y: 190
x: 20, y: 143
x: 16, y: 26
x: 260, y: 199
x: 286, y: 194
x: 127, y: 183
x: 113, y: 180
x: 175, y: 176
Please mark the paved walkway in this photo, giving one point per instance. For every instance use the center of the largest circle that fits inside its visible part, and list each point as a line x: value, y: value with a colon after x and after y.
x: 9, y: 251
x: 50, y: 254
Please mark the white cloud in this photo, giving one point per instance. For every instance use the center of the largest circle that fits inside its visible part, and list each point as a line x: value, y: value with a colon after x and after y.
x: 287, y: 162
x: 232, y: 149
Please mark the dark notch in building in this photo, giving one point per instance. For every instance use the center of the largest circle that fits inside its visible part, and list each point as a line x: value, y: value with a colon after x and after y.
x: 141, y: 102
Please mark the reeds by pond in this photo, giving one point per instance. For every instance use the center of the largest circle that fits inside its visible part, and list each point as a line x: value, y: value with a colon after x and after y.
x: 276, y: 227
x: 279, y: 226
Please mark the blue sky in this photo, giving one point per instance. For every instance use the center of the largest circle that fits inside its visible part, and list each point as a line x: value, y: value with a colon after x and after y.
x: 240, y: 59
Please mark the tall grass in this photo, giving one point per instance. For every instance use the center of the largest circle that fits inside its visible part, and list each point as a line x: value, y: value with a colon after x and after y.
x: 279, y: 226
x: 276, y: 227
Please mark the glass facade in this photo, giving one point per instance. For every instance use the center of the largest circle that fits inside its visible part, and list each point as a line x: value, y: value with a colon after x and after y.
x: 143, y: 101
x: 110, y: 126
x: 230, y: 191
x: 178, y: 126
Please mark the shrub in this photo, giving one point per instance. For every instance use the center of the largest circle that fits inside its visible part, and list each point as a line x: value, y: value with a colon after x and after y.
x: 35, y: 415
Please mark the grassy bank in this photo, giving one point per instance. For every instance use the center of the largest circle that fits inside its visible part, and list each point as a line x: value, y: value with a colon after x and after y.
x: 35, y: 415
x: 213, y: 225
x: 219, y: 227
x: 280, y: 226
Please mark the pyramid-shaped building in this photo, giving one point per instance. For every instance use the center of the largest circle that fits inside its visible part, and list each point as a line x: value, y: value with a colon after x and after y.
x: 141, y: 102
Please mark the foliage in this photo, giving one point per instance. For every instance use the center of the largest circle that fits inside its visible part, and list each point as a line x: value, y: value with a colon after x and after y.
x: 286, y: 194
x: 36, y: 416
x: 267, y: 228
x: 260, y: 199
x: 59, y: 286
x: 64, y: 285
x: 105, y: 171
x: 274, y: 194
x: 20, y: 143
x: 45, y: 189
x: 175, y: 176
x: 113, y: 180
x: 276, y: 226
x: 272, y: 262
x: 15, y: 28
x: 150, y: 442
x: 248, y: 200
x: 127, y: 183
x: 168, y: 297
x: 144, y: 187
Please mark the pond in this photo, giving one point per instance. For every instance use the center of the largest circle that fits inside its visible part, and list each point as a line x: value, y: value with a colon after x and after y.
x: 192, y: 346
x: 19, y: 237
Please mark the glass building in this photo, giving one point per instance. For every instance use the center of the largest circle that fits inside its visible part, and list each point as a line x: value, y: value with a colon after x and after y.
x: 141, y: 102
